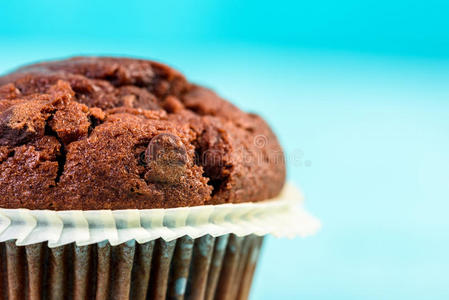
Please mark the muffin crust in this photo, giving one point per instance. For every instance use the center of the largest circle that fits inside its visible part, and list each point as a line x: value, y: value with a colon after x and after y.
x: 118, y: 133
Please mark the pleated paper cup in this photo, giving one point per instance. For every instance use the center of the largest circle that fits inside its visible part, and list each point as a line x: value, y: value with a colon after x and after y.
x: 205, y: 252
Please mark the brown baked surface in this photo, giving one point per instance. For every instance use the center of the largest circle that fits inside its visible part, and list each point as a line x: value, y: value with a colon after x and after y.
x: 116, y: 133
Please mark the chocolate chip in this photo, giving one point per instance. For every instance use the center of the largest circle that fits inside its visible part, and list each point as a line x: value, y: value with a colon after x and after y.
x: 166, y: 158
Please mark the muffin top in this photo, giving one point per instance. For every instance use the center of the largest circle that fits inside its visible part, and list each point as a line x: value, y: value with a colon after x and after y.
x: 118, y: 133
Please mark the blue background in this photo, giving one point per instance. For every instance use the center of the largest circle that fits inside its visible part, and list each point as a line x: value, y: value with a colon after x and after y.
x: 357, y: 91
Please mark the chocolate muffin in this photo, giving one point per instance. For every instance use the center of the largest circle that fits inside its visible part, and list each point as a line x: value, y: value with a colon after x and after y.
x: 117, y: 133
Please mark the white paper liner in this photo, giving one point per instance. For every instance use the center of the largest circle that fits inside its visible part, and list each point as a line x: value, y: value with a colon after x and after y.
x: 283, y: 216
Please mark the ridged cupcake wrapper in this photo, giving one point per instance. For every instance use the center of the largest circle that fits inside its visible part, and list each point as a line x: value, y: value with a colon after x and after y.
x: 281, y: 217
x: 204, y: 252
x: 206, y: 268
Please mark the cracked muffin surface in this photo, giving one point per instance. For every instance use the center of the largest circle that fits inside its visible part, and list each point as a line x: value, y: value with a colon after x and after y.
x: 118, y: 133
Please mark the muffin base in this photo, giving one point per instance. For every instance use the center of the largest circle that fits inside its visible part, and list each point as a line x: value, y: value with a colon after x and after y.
x: 206, y: 268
